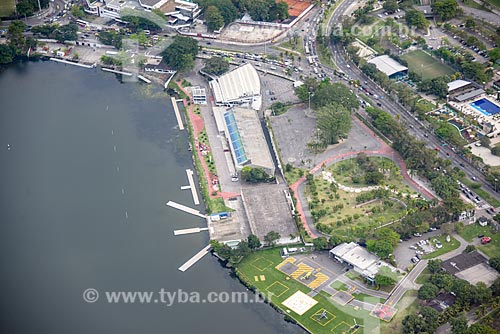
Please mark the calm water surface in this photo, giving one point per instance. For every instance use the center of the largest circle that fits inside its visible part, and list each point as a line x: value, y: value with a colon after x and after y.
x: 83, y: 188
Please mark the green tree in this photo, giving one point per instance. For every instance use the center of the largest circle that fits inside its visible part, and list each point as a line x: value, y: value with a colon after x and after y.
x: 459, y: 325
x: 380, y: 247
x: 334, y: 122
x: 253, y: 241
x: 428, y: 291
x: 431, y: 317
x: 390, y: 5
x: 111, y: 37
x: 226, y: 8
x: 181, y: 53
x: 415, y: 18
x: 213, y: 18
x: 7, y: 54
x: 413, y: 324
x: 385, y: 276
x: 320, y: 243
x: 15, y: 35
x: 388, y: 234
x: 327, y: 93
x: 442, y: 281
x: 24, y: 8
x: 271, y: 238
x: 216, y: 65
x: 445, y: 9
x: 434, y: 266
x: 77, y: 11
x: 485, y: 141
x: 495, y: 263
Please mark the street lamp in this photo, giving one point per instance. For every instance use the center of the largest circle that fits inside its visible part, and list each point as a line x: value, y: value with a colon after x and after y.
x: 496, y: 180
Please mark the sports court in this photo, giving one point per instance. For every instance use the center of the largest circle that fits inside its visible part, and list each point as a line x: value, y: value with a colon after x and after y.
x: 295, y: 7
x: 304, y: 271
x: 425, y: 65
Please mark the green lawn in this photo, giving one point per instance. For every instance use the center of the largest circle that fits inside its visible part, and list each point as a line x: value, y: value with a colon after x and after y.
x: 447, y: 246
x: 294, y: 174
x: 367, y: 298
x: 407, y: 305
x: 262, y: 263
x: 425, y: 65
x: 338, y: 285
x: 424, y: 276
x: 7, y: 7
x: 470, y: 232
x: 290, y: 45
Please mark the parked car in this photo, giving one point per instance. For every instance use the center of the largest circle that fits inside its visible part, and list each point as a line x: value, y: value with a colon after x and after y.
x: 414, y: 259
x: 439, y: 245
x: 485, y: 240
x: 417, y: 234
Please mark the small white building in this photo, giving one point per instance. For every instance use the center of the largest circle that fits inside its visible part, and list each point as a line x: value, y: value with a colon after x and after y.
x: 362, y: 261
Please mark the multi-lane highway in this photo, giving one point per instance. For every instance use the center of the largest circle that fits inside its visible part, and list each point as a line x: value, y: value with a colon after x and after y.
x: 415, y: 126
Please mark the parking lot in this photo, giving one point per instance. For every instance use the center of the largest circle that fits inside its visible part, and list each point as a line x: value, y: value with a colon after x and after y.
x: 297, y: 127
x: 403, y: 253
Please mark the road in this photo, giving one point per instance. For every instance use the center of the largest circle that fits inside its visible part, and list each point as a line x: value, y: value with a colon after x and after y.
x: 415, y: 126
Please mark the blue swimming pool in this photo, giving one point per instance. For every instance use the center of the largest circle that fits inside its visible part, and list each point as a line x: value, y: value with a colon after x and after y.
x: 486, y: 107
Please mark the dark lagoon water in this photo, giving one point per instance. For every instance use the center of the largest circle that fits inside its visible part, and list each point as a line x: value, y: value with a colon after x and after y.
x: 83, y: 188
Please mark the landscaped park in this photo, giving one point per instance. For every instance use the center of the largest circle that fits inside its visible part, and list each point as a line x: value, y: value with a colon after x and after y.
x: 355, y: 195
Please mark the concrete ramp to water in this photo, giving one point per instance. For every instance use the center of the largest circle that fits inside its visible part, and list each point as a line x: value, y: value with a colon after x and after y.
x: 185, y: 209
x: 177, y: 114
x: 195, y: 258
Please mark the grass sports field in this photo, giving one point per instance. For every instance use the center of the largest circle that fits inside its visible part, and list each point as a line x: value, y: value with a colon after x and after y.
x: 319, y: 314
x: 7, y: 7
x: 425, y: 65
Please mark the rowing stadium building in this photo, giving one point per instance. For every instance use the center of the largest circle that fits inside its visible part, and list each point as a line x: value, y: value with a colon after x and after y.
x: 238, y: 87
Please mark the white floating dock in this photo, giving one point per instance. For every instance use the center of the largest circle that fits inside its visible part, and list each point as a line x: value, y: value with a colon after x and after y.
x: 146, y: 80
x: 71, y: 63
x: 185, y: 209
x: 177, y: 114
x: 190, y: 173
x: 105, y: 69
x: 190, y: 230
x: 195, y: 259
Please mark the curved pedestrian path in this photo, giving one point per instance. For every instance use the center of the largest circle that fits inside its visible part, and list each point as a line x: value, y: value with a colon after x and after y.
x: 384, y: 151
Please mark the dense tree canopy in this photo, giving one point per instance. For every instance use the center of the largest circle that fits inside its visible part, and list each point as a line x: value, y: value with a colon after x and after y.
x: 213, y: 18
x: 428, y: 291
x: 445, y: 9
x: 225, y: 7
x: 216, y: 65
x: 415, y: 18
x: 181, y: 53
x: 380, y: 247
x: 111, y: 37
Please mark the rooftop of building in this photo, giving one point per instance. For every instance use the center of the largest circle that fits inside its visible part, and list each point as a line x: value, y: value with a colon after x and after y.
x: 387, y: 65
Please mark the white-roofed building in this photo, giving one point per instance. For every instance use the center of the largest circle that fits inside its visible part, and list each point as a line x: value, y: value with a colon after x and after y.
x: 389, y: 66
x: 240, y: 86
x: 362, y: 261
x: 454, y: 85
x: 243, y: 131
